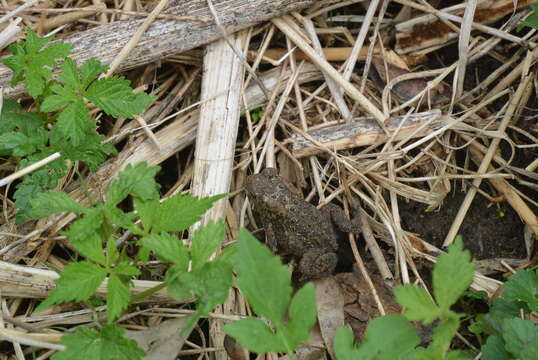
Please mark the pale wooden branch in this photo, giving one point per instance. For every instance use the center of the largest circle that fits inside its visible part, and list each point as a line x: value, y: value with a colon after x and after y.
x: 29, y: 282
x: 219, y: 122
x: 168, y: 37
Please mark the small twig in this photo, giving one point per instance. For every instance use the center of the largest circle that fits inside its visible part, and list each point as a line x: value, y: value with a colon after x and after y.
x: 29, y: 169
x: 18, y: 10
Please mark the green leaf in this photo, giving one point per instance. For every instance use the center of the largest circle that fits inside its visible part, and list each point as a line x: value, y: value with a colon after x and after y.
x: 518, y: 334
x: 494, y: 349
x: 303, y: 315
x: 147, y: 210
x: 211, y: 285
x: 261, y: 273
x: 74, y: 122
x: 178, y: 212
x: 345, y: 347
x: 53, y: 202
x: 523, y: 286
x: 452, y: 275
x: 116, y: 97
x: 419, y: 306
x: 443, y: 334
x: 205, y: 242
x: 54, y: 102
x: 108, y: 344
x: 78, y: 281
x: 388, y: 345
x: 90, y: 70
x: 135, y: 180
x: 84, y: 235
x: 126, y: 269
x: 124, y: 220
x: 32, y: 64
x: 255, y: 335
x: 69, y: 74
x: 10, y: 142
x: 168, y: 248
x: 176, y: 280
x: 117, y: 298
x: 532, y: 19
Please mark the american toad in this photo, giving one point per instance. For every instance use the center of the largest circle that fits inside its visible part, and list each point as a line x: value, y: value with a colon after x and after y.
x: 296, y: 228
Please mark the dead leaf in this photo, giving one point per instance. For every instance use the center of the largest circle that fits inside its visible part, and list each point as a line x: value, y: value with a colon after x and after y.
x: 406, y: 89
x: 330, y: 306
x: 161, y: 342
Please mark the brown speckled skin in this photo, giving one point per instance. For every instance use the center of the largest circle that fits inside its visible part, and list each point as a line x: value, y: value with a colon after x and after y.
x: 293, y: 226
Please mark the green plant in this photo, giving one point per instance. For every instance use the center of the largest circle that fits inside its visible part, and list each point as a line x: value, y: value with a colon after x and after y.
x: 94, y: 236
x: 61, y: 120
x: 532, y: 19
x: 452, y: 275
x: 266, y: 284
x: 510, y: 333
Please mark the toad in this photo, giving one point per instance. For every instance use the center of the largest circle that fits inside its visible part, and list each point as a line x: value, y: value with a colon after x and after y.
x: 296, y: 228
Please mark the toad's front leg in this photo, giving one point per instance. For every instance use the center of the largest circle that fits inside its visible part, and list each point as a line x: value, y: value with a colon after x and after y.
x: 317, y: 263
x: 340, y: 220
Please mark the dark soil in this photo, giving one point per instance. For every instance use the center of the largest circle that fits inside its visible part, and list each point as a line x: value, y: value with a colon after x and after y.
x: 488, y: 231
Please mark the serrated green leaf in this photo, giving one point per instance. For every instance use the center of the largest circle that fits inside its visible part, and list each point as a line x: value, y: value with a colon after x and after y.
x: 112, y: 252
x: 419, y: 306
x: 147, y: 210
x: 518, y: 334
x: 211, y: 285
x: 494, y: 349
x: 303, y: 315
x: 443, y: 333
x: 452, y: 275
x: 262, y: 273
x: 168, y: 248
x: 135, y: 180
x: 117, y: 297
x: 115, y: 96
x: 122, y: 219
x: 84, y: 236
x: 54, y: 102
x: 255, y: 335
x: 180, y: 211
x: 387, y: 345
x: 90, y: 70
x: 53, y: 202
x: 11, y: 141
x: 31, y: 64
x: 74, y: 122
x: 108, y: 344
x: 78, y: 281
x: 34, y: 43
x: 126, y: 269
x: 523, y: 286
x: 345, y: 347
x: 205, y: 242
x: 175, y: 279
x: 69, y: 75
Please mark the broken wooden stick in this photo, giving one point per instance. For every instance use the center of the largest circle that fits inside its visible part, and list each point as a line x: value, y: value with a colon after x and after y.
x: 365, y: 131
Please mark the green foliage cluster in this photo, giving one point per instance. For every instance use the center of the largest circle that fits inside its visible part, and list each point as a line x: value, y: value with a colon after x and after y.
x: 511, y: 335
x: 452, y: 275
x: 266, y: 284
x: 61, y: 120
x: 94, y: 235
